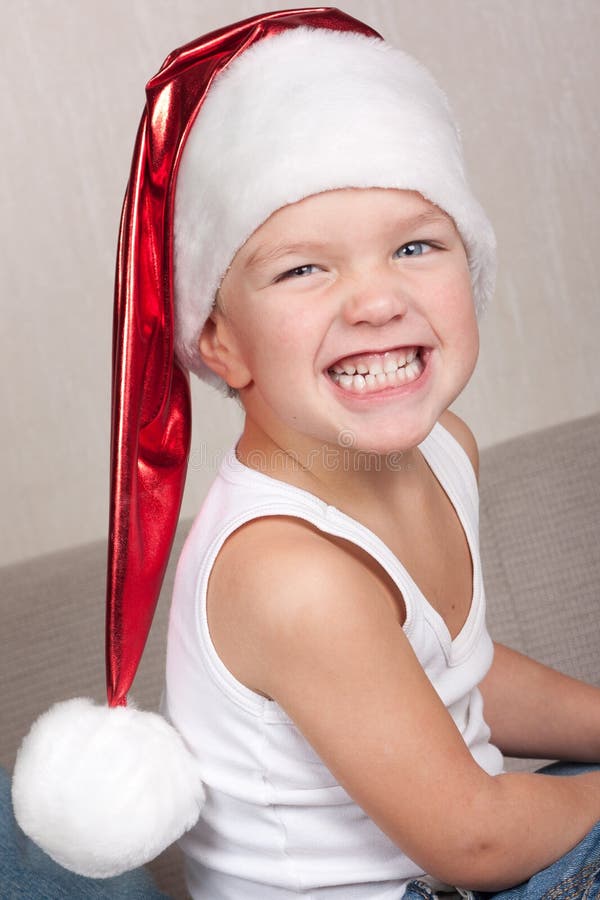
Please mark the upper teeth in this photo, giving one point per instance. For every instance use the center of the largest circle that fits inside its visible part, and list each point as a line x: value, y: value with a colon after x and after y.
x: 375, y: 364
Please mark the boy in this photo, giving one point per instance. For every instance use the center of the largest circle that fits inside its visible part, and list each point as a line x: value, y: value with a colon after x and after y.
x: 329, y: 669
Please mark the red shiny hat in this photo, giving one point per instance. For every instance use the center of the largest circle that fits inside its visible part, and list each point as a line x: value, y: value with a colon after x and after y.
x: 151, y: 420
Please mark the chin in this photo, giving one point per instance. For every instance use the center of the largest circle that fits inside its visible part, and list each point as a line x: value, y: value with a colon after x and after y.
x: 393, y: 441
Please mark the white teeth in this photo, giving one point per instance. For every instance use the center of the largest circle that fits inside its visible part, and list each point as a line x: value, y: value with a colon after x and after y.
x: 370, y: 381
x: 392, y: 362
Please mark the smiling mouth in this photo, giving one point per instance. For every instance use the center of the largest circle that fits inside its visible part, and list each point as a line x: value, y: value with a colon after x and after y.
x: 371, y: 372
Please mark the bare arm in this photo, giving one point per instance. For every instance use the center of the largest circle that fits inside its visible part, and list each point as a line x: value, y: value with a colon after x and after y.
x: 320, y: 634
x: 538, y: 712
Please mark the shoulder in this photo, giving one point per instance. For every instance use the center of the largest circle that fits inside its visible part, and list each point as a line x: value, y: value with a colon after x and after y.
x: 279, y: 586
x: 287, y: 557
x: 461, y: 432
x: 270, y: 543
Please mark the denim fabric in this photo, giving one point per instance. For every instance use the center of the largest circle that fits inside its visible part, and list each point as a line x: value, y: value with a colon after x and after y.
x: 418, y: 890
x: 575, y: 876
x: 27, y: 873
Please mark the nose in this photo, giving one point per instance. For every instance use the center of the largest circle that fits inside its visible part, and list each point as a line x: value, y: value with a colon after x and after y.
x: 375, y: 300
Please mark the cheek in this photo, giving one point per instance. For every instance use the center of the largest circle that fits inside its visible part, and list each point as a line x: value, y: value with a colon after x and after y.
x: 454, y: 319
x: 274, y: 341
x: 466, y: 328
x: 455, y: 303
x: 290, y: 331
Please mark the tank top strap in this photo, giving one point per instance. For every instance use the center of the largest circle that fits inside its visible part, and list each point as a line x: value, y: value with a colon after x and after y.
x: 452, y: 467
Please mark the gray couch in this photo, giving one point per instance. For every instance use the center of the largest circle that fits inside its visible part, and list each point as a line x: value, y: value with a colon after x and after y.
x: 540, y: 510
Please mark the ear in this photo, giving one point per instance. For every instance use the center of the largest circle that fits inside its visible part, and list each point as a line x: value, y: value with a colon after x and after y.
x: 218, y: 348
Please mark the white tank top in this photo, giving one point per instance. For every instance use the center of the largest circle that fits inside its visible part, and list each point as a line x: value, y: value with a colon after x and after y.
x: 276, y: 824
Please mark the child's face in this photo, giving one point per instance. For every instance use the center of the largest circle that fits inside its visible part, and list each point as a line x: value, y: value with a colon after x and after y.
x: 343, y: 274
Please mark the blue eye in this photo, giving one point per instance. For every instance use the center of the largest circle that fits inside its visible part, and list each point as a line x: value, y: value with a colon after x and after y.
x: 298, y: 272
x: 415, y: 248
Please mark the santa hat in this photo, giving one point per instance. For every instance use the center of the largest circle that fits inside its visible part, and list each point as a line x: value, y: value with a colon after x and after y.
x: 237, y: 124
x: 312, y: 111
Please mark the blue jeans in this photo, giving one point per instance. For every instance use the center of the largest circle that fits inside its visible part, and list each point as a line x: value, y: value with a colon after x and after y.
x: 575, y: 876
x: 26, y: 873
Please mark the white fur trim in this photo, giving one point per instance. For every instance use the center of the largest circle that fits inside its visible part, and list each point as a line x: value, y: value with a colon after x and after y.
x: 104, y: 790
x: 306, y: 111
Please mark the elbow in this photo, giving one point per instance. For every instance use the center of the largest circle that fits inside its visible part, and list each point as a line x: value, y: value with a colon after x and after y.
x: 474, y: 864
x: 470, y: 850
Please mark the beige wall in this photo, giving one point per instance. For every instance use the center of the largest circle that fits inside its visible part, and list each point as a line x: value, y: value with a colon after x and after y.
x: 522, y: 78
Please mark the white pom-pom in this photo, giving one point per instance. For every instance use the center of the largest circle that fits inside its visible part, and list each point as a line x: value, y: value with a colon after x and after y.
x: 104, y: 790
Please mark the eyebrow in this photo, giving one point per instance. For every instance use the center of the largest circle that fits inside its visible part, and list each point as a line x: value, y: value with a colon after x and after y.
x: 267, y: 254
x: 262, y: 254
x: 426, y: 218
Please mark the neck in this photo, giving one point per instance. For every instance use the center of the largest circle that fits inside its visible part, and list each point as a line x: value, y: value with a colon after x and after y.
x: 337, y: 474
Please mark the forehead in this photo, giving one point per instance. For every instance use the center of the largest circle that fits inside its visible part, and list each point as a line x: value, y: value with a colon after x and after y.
x: 317, y: 218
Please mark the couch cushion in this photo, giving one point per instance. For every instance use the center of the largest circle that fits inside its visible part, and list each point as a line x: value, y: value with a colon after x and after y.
x: 540, y: 517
